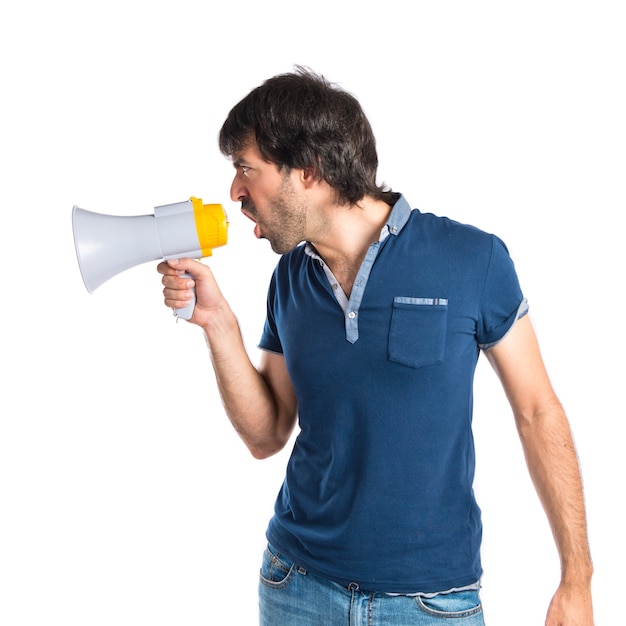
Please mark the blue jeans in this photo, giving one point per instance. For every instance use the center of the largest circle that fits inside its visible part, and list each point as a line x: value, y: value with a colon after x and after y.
x: 290, y: 596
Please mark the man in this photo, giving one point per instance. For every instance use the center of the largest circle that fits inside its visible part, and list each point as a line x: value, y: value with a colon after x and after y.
x: 374, y: 327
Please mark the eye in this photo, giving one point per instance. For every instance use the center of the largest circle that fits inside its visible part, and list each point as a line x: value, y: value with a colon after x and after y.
x: 245, y: 169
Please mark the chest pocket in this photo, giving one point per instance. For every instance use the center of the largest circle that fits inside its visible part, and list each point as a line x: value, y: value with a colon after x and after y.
x: 417, y: 335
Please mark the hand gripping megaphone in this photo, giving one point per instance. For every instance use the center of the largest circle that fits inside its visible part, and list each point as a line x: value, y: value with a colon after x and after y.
x: 107, y: 245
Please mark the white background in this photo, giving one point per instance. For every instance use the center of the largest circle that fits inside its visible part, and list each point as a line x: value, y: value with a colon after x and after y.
x: 125, y: 496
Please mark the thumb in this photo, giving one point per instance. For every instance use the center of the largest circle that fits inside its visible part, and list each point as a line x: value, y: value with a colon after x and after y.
x: 182, y: 265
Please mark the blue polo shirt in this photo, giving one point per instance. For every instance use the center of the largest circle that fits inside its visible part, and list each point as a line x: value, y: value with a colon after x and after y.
x: 378, y: 488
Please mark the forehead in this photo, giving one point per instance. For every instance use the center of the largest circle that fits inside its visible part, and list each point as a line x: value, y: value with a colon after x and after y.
x: 248, y: 154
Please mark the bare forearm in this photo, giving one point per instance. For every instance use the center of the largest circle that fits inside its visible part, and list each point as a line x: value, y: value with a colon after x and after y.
x: 246, y: 396
x: 554, y: 468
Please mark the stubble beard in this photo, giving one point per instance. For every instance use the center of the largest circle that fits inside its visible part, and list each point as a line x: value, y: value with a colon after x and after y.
x: 287, y: 226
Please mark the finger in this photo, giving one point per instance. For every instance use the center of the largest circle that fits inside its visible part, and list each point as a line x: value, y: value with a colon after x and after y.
x: 177, y: 298
x: 175, y: 281
x: 182, y: 265
x: 166, y: 269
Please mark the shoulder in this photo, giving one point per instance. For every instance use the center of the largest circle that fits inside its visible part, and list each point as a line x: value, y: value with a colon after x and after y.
x: 452, y: 236
x: 290, y: 266
x: 293, y: 260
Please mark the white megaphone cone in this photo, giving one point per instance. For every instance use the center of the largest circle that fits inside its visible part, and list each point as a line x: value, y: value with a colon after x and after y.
x: 107, y: 245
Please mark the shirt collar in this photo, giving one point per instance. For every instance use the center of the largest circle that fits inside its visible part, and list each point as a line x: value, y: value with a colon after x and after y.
x: 398, y: 217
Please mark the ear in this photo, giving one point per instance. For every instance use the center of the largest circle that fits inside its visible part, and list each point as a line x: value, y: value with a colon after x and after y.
x: 309, y: 177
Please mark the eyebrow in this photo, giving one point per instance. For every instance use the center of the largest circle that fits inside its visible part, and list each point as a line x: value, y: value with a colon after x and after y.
x: 238, y: 162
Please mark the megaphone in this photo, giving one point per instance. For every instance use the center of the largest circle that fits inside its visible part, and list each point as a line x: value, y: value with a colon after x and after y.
x: 107, y: 245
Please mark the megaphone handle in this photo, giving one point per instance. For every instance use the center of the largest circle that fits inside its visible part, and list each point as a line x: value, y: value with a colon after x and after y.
x: 185, y: 313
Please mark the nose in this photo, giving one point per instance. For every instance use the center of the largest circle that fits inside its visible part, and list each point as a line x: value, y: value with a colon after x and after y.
x: 238, y: 190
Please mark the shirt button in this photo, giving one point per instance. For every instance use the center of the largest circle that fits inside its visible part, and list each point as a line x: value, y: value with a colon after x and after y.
x: 352, y: 315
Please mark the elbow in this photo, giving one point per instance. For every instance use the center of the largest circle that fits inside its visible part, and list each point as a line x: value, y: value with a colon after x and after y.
x: 261, y: 450
x: 544, y: 429
x: 268, y: 439
x: 260, y: 454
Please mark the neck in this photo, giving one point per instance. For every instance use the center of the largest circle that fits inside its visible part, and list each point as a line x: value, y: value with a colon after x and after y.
x: 346, y: 234
x: 347, y: 231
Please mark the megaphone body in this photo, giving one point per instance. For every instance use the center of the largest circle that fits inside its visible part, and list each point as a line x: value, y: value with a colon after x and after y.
x: 107, y: 245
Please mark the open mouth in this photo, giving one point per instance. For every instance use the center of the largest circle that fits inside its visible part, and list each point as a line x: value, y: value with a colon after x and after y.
x: 257, y: 230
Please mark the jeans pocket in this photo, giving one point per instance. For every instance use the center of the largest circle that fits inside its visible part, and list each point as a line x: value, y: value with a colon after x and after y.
x: 417, y: 334
x: 276, y: 570
x: 457, y: 604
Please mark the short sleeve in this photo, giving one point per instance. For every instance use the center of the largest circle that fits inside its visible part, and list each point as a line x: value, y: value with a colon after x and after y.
x: 269, y: 338
x: 502, y: 301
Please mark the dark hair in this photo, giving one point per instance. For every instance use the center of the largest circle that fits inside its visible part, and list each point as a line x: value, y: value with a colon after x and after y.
x: 300, y: 120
